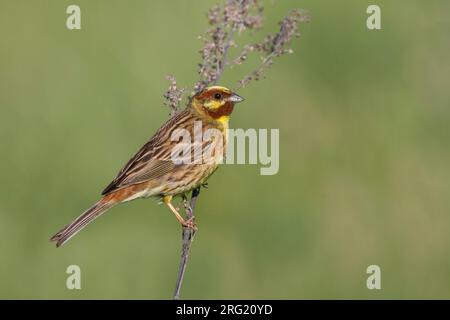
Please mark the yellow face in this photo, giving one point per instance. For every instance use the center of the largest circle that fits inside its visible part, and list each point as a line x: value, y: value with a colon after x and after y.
x: 217, y: 97
x: 216, y: 102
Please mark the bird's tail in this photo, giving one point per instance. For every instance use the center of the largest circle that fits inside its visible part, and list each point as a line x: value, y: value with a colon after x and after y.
x: 83, y: 220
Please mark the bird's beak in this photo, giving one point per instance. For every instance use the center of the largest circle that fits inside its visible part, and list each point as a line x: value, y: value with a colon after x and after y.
x: 235, y: 98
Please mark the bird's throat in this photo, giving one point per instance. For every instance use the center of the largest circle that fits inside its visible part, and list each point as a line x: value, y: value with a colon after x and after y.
x: 221, y: 113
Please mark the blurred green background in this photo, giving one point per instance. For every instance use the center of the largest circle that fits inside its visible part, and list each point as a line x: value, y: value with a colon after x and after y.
x: 364, y: 154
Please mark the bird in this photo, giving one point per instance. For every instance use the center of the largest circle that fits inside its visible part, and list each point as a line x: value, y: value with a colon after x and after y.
x: 166, y: 167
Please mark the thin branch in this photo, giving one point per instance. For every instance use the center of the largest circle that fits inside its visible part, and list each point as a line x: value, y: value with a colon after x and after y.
x: 173, y: 95
x: 187, y: 236
x: 274, y: 45
x: 226, y: 20
x: 223, y: 62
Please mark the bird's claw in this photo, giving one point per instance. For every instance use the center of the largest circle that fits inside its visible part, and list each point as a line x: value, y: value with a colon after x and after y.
x: 190, y: 224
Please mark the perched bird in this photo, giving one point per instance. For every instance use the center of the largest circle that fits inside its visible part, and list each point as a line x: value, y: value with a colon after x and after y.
x: 156, y: 170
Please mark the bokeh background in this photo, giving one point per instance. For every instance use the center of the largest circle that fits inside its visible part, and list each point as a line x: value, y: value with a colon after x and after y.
x: 364, y: 154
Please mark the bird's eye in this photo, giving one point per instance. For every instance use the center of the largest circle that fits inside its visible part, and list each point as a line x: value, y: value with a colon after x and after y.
x: 217, y: 96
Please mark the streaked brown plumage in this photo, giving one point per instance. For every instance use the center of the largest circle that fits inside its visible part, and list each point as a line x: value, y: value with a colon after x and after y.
x: 151, y: 172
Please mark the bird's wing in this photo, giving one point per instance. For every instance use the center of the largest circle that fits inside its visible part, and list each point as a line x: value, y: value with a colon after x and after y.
x: 152, y: 161
x: 152, y: 170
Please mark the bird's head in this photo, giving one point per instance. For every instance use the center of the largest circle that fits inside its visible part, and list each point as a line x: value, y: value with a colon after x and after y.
x: 216, y: 103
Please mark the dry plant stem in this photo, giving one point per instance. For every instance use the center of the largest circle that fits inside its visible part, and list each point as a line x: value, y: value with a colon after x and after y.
x: 187, y: 236
x: 223, y: 63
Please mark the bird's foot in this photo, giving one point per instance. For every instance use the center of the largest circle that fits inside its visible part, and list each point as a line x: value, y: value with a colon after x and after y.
x: 190, y: 224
